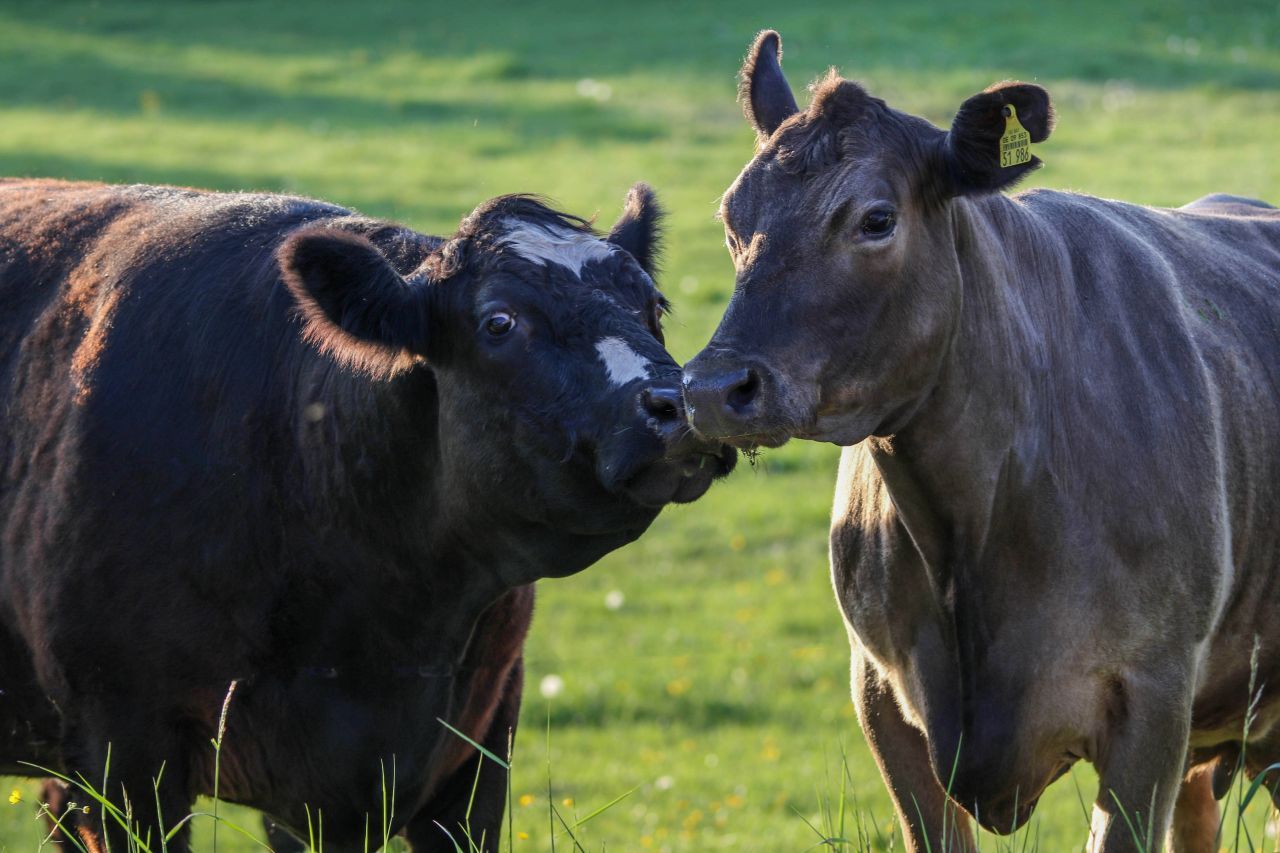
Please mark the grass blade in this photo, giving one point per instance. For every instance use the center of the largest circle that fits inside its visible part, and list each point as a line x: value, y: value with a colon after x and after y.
x: 580, y: 821
x: 486, y: 753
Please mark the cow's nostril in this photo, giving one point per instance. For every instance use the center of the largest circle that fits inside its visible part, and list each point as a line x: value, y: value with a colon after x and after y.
x: 744, y: 393
x: 662, y: 403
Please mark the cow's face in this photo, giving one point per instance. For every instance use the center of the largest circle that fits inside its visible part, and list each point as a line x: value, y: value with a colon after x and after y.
x: 843, y: 238
x: 557, y: 401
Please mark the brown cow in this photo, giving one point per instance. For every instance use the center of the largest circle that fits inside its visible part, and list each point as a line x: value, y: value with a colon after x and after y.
x: 1056, y: 532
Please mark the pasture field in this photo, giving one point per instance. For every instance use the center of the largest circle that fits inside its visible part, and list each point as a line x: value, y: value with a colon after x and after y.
x: 705, y: 668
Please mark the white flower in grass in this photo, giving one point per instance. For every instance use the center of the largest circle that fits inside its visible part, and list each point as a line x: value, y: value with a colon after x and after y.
x: 551, y: 686
x: 594, y: 89
x: 614, y: 599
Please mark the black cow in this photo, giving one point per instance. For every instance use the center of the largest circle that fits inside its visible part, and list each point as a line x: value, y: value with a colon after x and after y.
x: 264, y: 441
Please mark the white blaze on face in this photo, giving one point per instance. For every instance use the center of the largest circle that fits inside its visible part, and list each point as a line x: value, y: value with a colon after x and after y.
x: 622, y: 362
x: 542, y: 244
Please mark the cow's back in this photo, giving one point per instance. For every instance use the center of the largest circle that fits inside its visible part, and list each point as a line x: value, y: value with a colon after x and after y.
x: 1207, y: 278
x: 1170, y: 323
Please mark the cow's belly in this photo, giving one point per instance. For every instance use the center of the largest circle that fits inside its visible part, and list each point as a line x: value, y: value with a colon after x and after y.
x: 326, y: 746
x: 344, y: 745
x: 1231, y: 687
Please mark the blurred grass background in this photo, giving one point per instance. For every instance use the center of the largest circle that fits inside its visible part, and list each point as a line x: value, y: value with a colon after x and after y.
x: 706, y: 666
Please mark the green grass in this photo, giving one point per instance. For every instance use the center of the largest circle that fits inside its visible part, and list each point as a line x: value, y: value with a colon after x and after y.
x: 719, y: 687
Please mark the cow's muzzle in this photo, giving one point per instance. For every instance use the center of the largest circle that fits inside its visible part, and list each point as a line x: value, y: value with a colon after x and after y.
x: 733, y: 400
x: 689, y: 462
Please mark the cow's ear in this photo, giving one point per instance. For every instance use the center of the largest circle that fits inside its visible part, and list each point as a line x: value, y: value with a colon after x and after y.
x: 763, y: 89
x: 639, y: 229
x: 354, y: 304
x: 973, y: 147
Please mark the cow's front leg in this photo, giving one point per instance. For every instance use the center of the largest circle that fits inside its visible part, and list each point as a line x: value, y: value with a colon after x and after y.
x: 472, y: 801
x: 1141, y: 763
x: 929, y: 818
x: 135, y: 756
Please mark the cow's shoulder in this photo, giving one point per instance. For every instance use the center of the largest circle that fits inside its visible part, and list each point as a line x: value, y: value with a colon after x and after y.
x: 877, y: 570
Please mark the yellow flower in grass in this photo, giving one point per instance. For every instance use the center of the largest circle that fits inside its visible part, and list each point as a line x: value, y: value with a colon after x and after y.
x: 526, y: 800
x: 523, y: 836
x: 15, y: 797
x: 567, y: 802
x: 679, y: 686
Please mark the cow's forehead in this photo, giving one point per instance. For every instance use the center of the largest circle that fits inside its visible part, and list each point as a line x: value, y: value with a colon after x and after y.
x: 753, y: 192
x: 542, y: 243
x: 768, y: 194
x: 578, y: 261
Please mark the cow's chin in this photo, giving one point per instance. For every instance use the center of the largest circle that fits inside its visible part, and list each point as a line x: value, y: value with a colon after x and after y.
x: 757, y: 440
x: 844, y: 431
x: 680, y: 480
x: 848, y: 426
x: 841, y: 430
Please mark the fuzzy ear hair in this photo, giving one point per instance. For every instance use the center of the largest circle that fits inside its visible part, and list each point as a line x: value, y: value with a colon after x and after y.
x: 972, y: 149
x: 766, y: 96
x: 354, y: 305
x: 639, y: 230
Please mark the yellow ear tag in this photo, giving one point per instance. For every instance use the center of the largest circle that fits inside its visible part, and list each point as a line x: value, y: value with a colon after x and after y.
x: 1015, y: 144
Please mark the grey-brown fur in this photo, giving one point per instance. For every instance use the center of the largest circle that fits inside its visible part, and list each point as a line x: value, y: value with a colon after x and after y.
x: 1056, y: 531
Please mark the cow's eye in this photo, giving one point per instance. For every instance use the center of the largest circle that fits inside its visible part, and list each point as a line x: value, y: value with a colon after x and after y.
x: 500, y: 324
x: 879, y: 223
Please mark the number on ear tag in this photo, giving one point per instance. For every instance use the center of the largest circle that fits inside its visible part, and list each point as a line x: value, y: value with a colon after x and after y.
x: 1015, y: 144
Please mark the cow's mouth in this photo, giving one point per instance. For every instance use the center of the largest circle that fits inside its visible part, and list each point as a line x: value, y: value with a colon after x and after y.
x: 679, y: 479
x: 756, y: 441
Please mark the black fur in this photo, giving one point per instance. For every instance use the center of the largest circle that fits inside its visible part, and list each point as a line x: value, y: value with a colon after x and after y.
x: 356, y: 306
x: 197, y: 487
x: 972, y: 146
x: 639, y: 231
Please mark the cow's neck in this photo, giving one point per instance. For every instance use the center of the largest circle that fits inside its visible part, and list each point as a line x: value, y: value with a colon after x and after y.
x: 431, y: 552
x: 988, y: 424
x: 371, y: 490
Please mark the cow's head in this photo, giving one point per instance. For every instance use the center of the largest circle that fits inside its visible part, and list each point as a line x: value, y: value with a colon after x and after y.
x: 844, y: 241
x: 557, y: 403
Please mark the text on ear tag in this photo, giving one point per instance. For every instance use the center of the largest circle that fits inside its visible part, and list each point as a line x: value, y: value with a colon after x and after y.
x: 1015, y: 144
